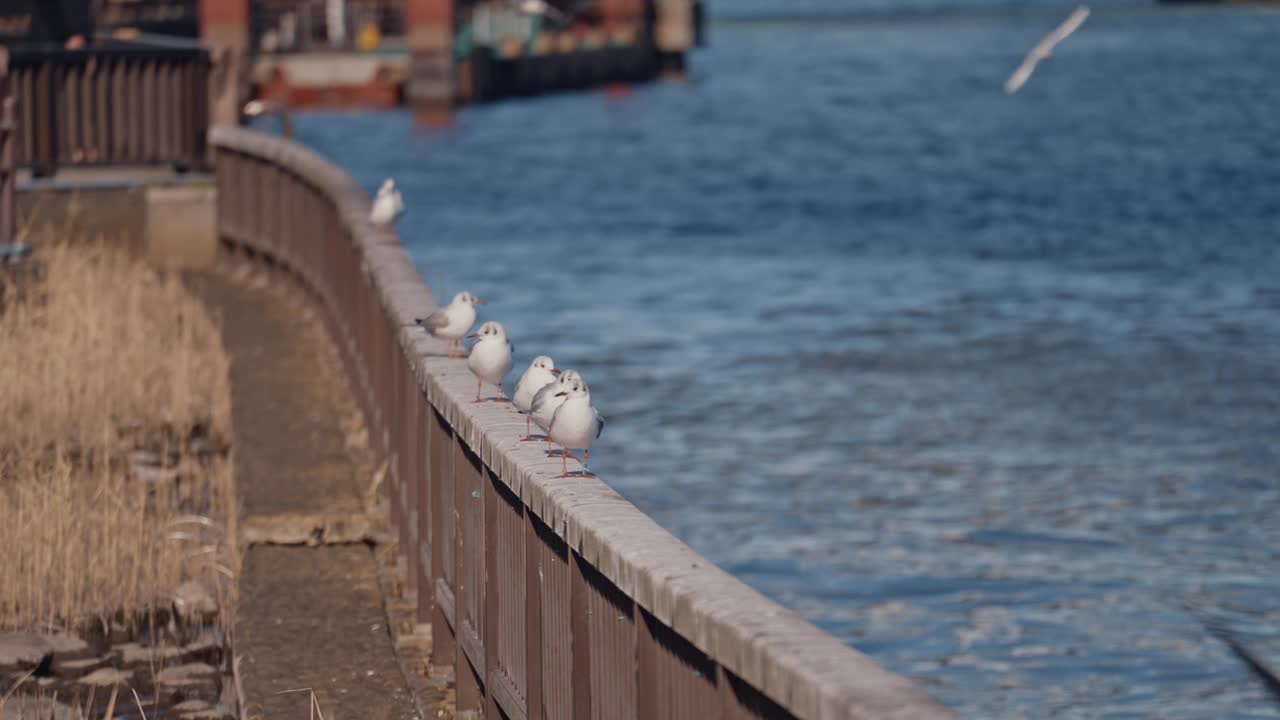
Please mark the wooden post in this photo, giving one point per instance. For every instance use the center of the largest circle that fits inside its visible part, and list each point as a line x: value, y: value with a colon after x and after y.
x: 429, y: 25
x: 224, y: 28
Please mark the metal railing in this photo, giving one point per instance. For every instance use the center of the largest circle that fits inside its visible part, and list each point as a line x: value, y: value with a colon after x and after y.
x: 551, y: 597
x: 116, y: 103
x: 8, y: 155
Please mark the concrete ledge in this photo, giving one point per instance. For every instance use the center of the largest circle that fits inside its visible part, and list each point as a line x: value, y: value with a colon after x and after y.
x: 167, y: 217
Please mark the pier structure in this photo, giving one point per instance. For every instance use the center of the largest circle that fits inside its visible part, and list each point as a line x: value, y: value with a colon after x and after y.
x: 534, y: 595
x: 443, y: 53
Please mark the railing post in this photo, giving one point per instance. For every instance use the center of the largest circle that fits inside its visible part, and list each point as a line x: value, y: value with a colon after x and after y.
x: 8, y: 159
x: 8, y: 167
x: 44, y: 161
x: 443, y: 632
x: 533, y: 618
x: 580, y: 629
x: 489, y: 611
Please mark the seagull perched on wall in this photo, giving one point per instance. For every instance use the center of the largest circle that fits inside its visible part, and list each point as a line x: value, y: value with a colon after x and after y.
x: 540, y: 8
x: 452, y: 321
x: 387, y: 204
x: 576, y: 424
x: 1044, y: 48
x: 490, y: 358
x: 546, y: 401
x: 541, y: 373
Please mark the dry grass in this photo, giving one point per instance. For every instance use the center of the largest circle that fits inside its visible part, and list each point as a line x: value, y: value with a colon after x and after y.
x: 105, y: 356
x: 111, y: 345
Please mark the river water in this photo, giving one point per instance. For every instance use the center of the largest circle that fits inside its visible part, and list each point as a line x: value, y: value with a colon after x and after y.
x: 987, y: 386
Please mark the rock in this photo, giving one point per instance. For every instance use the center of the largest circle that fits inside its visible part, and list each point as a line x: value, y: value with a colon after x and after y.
x: 205, y: 649
x: 107, y: 677
x: 194, y: 603
x: 73, y: 668
x: 68, y: 645
x: 184, y: 673
x: 25, y: 707
x: 144, y: 657
x: 209, y: 712
x: 24, y: 651
x: 193, y: 681
x: 201, y: 710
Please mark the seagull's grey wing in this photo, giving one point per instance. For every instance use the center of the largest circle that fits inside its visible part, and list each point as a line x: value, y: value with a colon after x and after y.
x: 599, y: 419
x: 434, y: 321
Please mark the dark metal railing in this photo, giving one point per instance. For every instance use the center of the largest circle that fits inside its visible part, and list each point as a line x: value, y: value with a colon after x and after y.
x: 551, y: 597
x: 116, y: 103
x: 8, y: 154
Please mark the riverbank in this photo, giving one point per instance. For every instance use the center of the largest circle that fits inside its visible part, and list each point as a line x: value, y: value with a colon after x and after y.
x: 117, y: 500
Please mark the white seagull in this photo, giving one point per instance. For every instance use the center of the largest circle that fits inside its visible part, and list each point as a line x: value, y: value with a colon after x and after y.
x: 453, y: 321
x: 576, y: 424
x: 387, y: 204
x: 490, y: 359
x: 540, y: 7
x: 541, y: 373
x: 1044, y: 48
x: 546, y: 402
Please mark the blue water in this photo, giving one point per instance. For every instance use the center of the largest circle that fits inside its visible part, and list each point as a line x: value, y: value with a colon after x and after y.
x: 985, y: 385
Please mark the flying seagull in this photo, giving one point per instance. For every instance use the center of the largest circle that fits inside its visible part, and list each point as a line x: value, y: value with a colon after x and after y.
x: 540, y: 7
x: 1043, y: 48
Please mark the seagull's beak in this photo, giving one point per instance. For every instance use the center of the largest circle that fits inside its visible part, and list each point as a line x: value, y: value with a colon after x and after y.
x: 474, y: 335
x: 554, y: 371
x: 480, y: 302
x: 562, y: 394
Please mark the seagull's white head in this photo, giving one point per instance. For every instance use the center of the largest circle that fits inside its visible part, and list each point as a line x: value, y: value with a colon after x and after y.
x: 545, y: 363
x: 491, y: 329
x: 387, y: 186
x: 466, y: 298
x: 576, y: 388
x: 567, y: 378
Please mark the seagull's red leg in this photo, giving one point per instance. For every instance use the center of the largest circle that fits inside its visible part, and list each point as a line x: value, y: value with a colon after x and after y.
x: 479, y: 385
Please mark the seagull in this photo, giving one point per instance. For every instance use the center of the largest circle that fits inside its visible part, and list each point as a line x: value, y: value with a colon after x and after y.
x: 546, y: 402
x: 1043, y: 48
x: 490, y: 359
x: 541, y: 373
x: 452, y: 321
x: 387, y: 205
x: 540, y: 7
x: 576, y: 424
